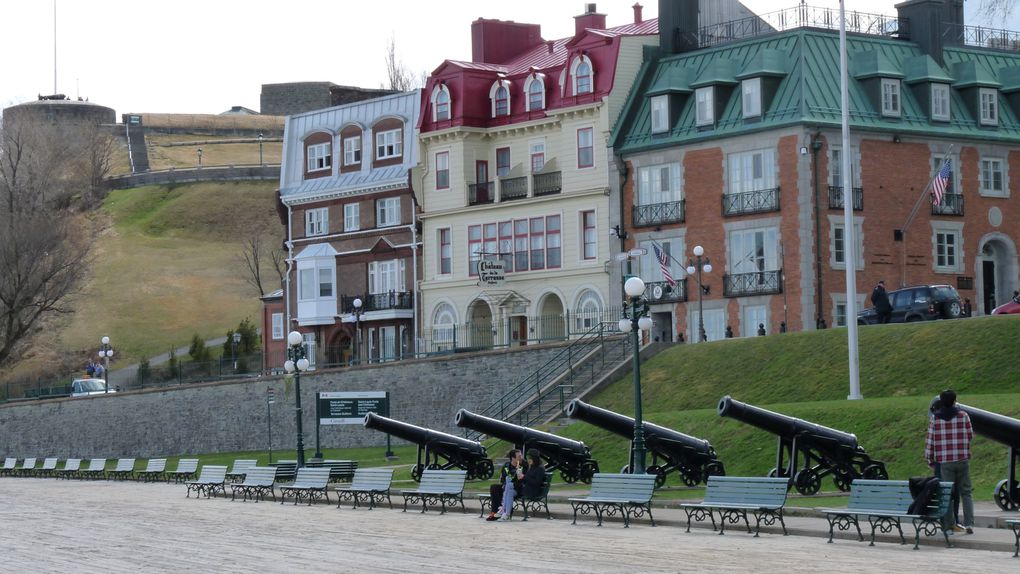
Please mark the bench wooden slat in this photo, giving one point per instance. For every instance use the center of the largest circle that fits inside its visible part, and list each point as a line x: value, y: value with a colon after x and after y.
x: 438, y: 486
x: 154, y: 470
x: 734, y: 496
x: 371, y: 484
x: 886, y: 503
x: 310, y: 482
x: 630, y: 494
x: 211, y: 479
x: 258, y: 481
x: 125, y: 469
x: 186, y: 468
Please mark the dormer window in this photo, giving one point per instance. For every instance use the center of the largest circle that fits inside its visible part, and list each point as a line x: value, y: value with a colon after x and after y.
x: 940, y: 102
x: 319, y: 156
x: 705, y: 108
x: 989, y: 106
x: 890, y: 97
x: 750, y: 90
x: 500, y: 96
x: 440, y: 103
x: 660, y: 113
x: 583, y: 75
x: 535, y: 88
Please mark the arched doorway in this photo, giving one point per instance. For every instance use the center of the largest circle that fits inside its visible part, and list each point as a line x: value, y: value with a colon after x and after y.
x: 996, y: 271
x: 480, y: 324
x: 340, y: 349
x: 552, y: 324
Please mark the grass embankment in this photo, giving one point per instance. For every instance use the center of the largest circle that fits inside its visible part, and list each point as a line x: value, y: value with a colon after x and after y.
x: 216, y: 150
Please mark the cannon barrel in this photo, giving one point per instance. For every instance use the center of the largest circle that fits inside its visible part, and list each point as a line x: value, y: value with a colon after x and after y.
x: 658, y: 438
x: 548, y: 444
x: 1000, y: 428
x: 434, y: 439
x: 785, y: 427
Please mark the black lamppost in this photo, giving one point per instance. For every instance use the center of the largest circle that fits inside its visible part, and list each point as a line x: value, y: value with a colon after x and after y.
x: 357, y: 330
x: 199, y: 157
x: 696, y: 266
x: 637, y: 322
x: 296, y: 363
x: 106, y: 353
x: 236, y: 340
x: 261, y: 137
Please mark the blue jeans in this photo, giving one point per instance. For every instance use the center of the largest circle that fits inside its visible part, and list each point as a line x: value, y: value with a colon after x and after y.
x: 508, y: 496
x: 959, y: 473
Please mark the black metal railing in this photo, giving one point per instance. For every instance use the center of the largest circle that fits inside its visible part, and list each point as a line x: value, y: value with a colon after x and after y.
x: 759, y: 201
x: 661, y: 292
x: 754, y: 283
x: 480, y: 193
x: 952, y: 204
x: 547, y: 183
x: 836, y: 198
x: 982, y: 37
x: 659, y: 213
x: 378, y: 301
x: 512, y: 188
x: 802, y: 16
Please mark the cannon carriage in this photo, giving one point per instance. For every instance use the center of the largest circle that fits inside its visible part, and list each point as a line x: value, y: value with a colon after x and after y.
x: 572, y: 458
x: 825, y: 451
x: 693, y: 459
x: 1004, y: 430
x: 436, y: 450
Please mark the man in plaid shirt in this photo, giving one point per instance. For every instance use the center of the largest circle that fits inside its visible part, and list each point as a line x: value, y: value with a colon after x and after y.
x: 948, y: 444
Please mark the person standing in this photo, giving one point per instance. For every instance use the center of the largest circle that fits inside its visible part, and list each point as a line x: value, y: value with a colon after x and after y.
x: 880, y: 299
x: 948, y: 445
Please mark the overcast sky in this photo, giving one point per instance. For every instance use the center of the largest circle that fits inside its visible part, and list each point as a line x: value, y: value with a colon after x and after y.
x: 203, y: 56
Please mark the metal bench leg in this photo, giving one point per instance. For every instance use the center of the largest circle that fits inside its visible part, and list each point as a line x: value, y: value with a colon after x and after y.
x: 650, y: 517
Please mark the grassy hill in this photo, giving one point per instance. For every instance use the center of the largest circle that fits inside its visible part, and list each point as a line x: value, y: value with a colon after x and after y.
x: 805, y: 375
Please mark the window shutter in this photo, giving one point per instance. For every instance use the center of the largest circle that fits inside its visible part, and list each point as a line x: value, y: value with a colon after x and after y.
x: 400, y: 276
x: 371, y: 277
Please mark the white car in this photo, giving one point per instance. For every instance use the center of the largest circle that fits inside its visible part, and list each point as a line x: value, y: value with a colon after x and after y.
x: 86, y: 387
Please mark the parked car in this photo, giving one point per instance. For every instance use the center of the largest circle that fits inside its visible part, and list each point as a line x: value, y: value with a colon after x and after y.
x: 1010, y: 308
x: 86, y: 387
x: 919, y: 303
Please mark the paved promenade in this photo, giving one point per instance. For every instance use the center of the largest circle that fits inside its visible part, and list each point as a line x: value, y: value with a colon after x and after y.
x: 49, y: 525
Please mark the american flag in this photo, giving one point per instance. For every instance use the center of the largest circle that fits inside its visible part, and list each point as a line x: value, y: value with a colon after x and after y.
x: 664, y: 265
x: 941, y: 182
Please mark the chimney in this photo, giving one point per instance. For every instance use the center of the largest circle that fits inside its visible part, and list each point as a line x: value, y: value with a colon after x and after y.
x: 678, y: 25
x: 637, y: 12
x: 499, y: 41
x: 590, y: 19
x: 934, y: 24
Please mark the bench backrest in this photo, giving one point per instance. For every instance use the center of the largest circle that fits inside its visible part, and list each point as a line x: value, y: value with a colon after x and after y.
x: 286, y: 469
x: 379, y: 478
x: 312, y: 477
x: 155, y: 465
x: 125, y: 465
x: 749, y: 490
x: 635, y: 487
x: 28, y: 464
x: 50, y: 464
x: 213, y: 474
x: 894, y: 496
x: 341, y: 468
x: 260, y: 476
x: 187, y: 465
x: 10, y: 463
x: 242, y: 465
x: 72, y: 465
x: 96, y: 464
x: 449, y: 481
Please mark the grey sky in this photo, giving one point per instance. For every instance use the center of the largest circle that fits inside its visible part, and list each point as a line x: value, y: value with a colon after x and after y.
x: 193, y: 56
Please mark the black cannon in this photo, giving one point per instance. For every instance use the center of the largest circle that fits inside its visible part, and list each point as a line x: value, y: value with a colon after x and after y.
x: 825, y: 450
x: 693, y: 458
x: 435, y: 447
x: 572, y: 458
x: 1005, y: 430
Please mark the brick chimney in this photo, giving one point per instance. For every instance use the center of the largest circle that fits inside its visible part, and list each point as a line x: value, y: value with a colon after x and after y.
x: 590, y: 19
x: 499, y: 41
x: 637, y: 12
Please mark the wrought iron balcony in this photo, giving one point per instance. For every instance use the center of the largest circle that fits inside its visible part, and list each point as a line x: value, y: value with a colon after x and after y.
x: 547, y: 183
x: 378, y: 301
x: 659, y: 213
x: 512, y: 188
x: 802, y: 16
x: 479, y: 193
x: 836, y: 198
x: 758, y: 201
x: 660, y: 292
x: 754, y: 283
x: 952, y: 204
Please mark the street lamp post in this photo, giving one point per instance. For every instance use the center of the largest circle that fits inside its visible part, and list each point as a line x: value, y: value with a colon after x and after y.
x: 199, y: 151
x: 236, y: 340
x: 297, y: 362
x: 357, y: 330
x: 106, y: 353
x: 697, y: 265
x: 261, y: 137
x: 637, y: 322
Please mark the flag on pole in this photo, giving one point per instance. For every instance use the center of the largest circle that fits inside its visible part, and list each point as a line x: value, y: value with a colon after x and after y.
x: 941, y: 182
x: 664, y: 265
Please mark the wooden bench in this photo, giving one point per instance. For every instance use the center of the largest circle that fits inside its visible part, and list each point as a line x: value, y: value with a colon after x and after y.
x: 70, y: 470
x: 125, y: 469
x: 310, y: 483
x: 286, y: 470
x: 49, y: 467
x: 186, y: 469
x: 211, y: 480
x: 27, y: 467
x: 628, y: 494
x: 534, y: 503
x: 239, y: 468
x: 1015, y: 525
x: 10, y: 464
x: 258, y: 481
x: 886, y: 503
x: 339, y: 470
x: 155, y: 468
x: 438, y: 487
x: 95, y: 469
x: 734, y: 496
x: 370, y: 484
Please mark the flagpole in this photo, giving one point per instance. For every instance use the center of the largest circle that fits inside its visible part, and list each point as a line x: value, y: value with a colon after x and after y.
x: 850, y: 245
x: 913, y: 213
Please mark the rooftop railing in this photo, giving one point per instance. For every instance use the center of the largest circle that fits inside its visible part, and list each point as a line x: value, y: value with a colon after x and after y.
x: 802, y: 16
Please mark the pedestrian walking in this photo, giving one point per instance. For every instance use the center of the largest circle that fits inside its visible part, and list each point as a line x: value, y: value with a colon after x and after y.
x: 880, y: 299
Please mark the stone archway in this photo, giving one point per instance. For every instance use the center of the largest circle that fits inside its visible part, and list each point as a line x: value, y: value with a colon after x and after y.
x: 552, y: 324
x: 996, y: 272
x: 480, y: 324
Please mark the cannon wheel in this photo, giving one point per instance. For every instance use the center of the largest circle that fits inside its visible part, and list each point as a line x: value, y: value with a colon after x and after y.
x: 842, y: 479
x: 875, y: 472
x: 689, y: 476
x: 588, y: 470
x: 713, y: 469
x: 1002, y: 498
x: 660, y: 475
x: 568, y: 477
x: 416, y: 472
x: 807, y: 481
x: 484, y: 469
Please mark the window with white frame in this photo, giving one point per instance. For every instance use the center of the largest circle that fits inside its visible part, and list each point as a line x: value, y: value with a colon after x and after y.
x: 500, y: 99
x: 440, y: 103
x: 651, y: 270
x: 992, y: 180
x: 660, y: 113
x: 387, y: 212
x: 526, y: 244
x: 536, y: 150
x: 502, y: 162
x: 583, y: 75
x: 277, y: 326
x: 659, y: 184
x: 838, y: 243
x: 308, y: 341
x: 352, y: 150
x: 319, y: 156
x: 536, y: 93
x: 589, y: 236
x: 750, y: 90
x: 936, y: 165
x: 388, y: 144
x: 386, y: 276
x: 751, y: 171
x: 443, y: 170
x: 947, y: 241
x: 753, y: 250
x: 325, y: 283
x: 444, y: 326
x: 585, y: 148
x: 352, y: 216
x: 839, y: 318
x: 317, y: 221
x: 445, y: 236
x: 316, y: 279
x: 704, y: 99
x: 752, y: 318
x: 940, y: 102
x: 836, y: 167
x: 588, y: 311
x: 890, y: 97
x: 989, y: 106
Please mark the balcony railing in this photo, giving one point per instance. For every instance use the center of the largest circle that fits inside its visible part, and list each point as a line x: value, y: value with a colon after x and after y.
x: 660, y: 292
x: 547, y: 183
x: 802, y: 16
x: 659, y: 213
x: 378, y: 301
x: 512, y: 188
x: 759, y: 201
x: 836, y: 198
x: 479, y: 193
x: 754, y: 283
x: 952, y: 204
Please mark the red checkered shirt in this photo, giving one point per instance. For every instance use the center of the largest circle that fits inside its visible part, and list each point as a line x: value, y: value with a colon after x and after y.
x: 948, y: 441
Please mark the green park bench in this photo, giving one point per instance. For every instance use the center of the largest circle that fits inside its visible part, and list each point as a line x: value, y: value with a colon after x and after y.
x: 534, y: 503
x: 70, y: 470
x: 628, y: 494
x: 95, y: 469
x: 186, y: 469
x: 48, y: 467
x: 155, y: 469
x: 1015, y: 525
x: 125, y: 469
x: 734, y: 496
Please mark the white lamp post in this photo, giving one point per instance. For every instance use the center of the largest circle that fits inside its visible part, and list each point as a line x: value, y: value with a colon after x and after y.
x: 694, y: 268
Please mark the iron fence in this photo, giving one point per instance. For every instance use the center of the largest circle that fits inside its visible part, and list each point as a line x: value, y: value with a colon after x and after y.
x: 754, y: 283
x: 952, y: 204
x: 479, y: 193
x: 512, y: 188
x: 659, y: 213
x: 378, y: 301
x: 982, y: 37
x: 836, y: 198
x: 547, y: 183
x: 758, y: 201
x: 802, y: 16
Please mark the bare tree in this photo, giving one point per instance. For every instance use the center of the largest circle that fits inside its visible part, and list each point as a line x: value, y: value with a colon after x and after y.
x: 255, y: 257
x: 995, y: 12
x: 399, y: 76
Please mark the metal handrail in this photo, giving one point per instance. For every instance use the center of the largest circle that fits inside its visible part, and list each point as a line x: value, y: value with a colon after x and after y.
x: 757, y: 201
x: 753, y: 283
x: 658, y: 213
x: 836, y: 198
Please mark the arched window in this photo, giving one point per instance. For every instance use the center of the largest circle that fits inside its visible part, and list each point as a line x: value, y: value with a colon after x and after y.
x: 444, y: 325
x: 583, y: 75
x: 500, y: 96
x: 440, y: 103
x: 536, y: 92
x: 588, y: 311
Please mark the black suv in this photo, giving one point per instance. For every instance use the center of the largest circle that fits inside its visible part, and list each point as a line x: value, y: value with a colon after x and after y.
x: 921, y: 303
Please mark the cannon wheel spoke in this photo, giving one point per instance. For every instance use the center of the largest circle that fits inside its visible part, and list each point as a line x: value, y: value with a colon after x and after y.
x: 714, y: 468
x: 588, y: 470
x: 842, y: 480
x: 484, y: 469
x: 875, y: 471
x: 416, y: 472
x: 1002, y: 495
x: 660, y: 475
x: 807, y: 481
